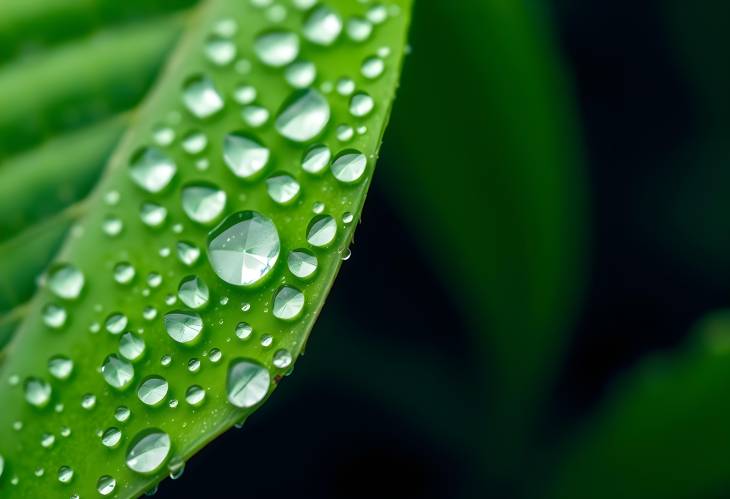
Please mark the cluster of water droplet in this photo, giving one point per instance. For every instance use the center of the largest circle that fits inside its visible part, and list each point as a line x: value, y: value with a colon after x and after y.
x: 243, y: 247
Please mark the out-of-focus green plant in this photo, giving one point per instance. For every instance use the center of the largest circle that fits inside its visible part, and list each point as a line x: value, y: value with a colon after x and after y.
x: 166, y: 318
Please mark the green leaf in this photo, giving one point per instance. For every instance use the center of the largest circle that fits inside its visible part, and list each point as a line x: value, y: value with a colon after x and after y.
x: 490, y: 177
x: 664, y: 432
x: 83, y: 336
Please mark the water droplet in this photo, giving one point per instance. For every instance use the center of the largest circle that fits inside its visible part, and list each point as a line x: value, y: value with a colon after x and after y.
x: 359, y: 29
x: 303, y: 116
x: 244, y: 248
x: 304, y: 4
x: 111, y: 437
x: 65, y: 431
x: 163, y: 136
x: 153, y: 390
x: 245, y: 94
x: 65, y: 474
x: 321, y: 231
x: 154, y: 280
x: 88, y: 401
x: 112, y: 226
x: 117, y: 372
x: 201, y: 97
x: 302, y: 263
x: 131, y: 346
x: 322, y: 26
x: 37, y: 392
x: 247, y: 384
x: 193, y: 365
x: 60, y: 367
x: 345, y: 86
x: 183, y: 327
x: 220, y: 50
x: 316, y: 159
x: 244, y: 155
x: 195, y: 395
x: 288, y: 303
x: 372, y: 67
x: 215, y: 355
x: 282, y: 358
x: 152, y: 214
x: 194, y: 142
x: 54, y: 316
x: 344, y: 133
x: 282, y: 188
x: 377, y: 14
x: 66, y: 281
x: 349, y: 166
x: 148, y: 451
x: 361, y: 104
x: 267, y: 340
x: 255, y: 116
x: 193, y: 292
x: 347, y: 218
x: 318, y: 207
x: 124, y: 272
x: 122, y: 414
x: 166, y: 360
x: 226, y: 27
x: 176, y: 468
x: 152, y: 169
x: 116, y: 323
x: 2, y: 465
x: 243, y: 330
x: 47, y: 440
x: 277, y: 48
x: 112, y: 198
x: 187, y: 253
x: 203, y: 203
x: 105, y: 485
x: 301, y: 74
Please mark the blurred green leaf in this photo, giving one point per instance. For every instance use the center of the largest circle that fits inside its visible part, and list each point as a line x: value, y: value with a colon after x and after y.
x: 664, y: 433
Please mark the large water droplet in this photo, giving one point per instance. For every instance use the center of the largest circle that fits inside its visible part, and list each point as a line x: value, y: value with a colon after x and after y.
x: 244, y: 248
x: 131, y: 346
x: 288, y: 303
x: 203, y: 203
x: 322, y: 26
x: 66, y: 281
x: 117, y: 372
x: 148, y: 451
x: 349, y: 166
x: 152, y: 169
x: 60, y: 367
x: 105, y: 485
x: 248, y: 383
x: 302, y: 263
x: 244, y: 155
x: 277, y: 48
x: 316, y: 159
x: 193, y: 292
x: 183, y: 327
x: 37, y: 392
x: 282, y: 189
x: 153, y: 390
x: 303, y: 116
x: 321, y: 231
x: 201, y: 97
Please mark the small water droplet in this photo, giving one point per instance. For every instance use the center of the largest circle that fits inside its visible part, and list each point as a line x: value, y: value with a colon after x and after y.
x: 377, y: 14
x: 66, y: 281
x: 112, y: 226
x: 226, y: 27
x: 303, y: 116
x: 122, y: 414
x: 203, y: 203
x: 302, y: 263
x: 347, y: 218
x: 166, y: 360
x: 195, y: 142
x: 176, y: 468
x: 243, y: 330
x: 248, y: 383
x: 282, y: 358
x: 288, y: 303
x: 282, y: 188
x: 54, y: 316
x: 65, y: 474
x: 372, y: 67
x: 321, y: 231
x: 163, y: 136
x: 194, y: 365
x: 105, y: 485
x: 255, y: 116
x: 148, y: 451
x: 116, y: 323
x: 131, y: 346
x: 152, y: 214
x: 47, y: 440
x: 220, y: 50
x: 349, y: 166
x: 361, y: 104
x: 345, y: 86
x: 152, y: 169
x: 245, y: 94
x: 60, y: 367
x: 193, y: 292
x: 316, y: 159
x: 267, y: 340
x: 344, y: 133
x: 124, y: 272
x: 183, y: 327
x: 215, y: 355
x: 244, y: 155
x: 37, y: 392
x: 88, y: 401
x: 201, y: 97
x: 153, y: 390
x: 187, y: 253
x: 301, y: 74
x: 322, y: 26
x: 318, y: 207
x: 244, y: 248
x: 359, y: 29
x: 277, y: 48
x: 117, y: 372
x: 195, y: 395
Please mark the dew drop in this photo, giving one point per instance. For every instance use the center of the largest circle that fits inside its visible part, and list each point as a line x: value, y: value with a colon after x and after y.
x: 116, y: 323
x: 54, y: 316
x: 47, y: 440
x: 245, y: 94
x: 66, y: 281
x: 193, y: 292
x: 117, y: 372
x: 131, y: 346
x: 88, y: 401
x: 220, y: 50
x: 243, y: 330
x: 282, y: 358
x: 322, y: 26
x: 302, y: 263
x: 153, y: 390
x: 267, y: 340
x: 201, y: 97
x: 372, y: 67
x: 359, y: 29
x: 345, y: 86
x: 163, y: 136
x: 349, y: 166
x: 60, y: 367
x: 303, y: 116
x: 301, y: 74
x: 183, y: 327
x: 111, y: 437
x: 347, y: 218
x: 124, y: 272
x: 148, y: 451
x: 247, y: 384
x: 203, y: 203
x: 316, y: 159
x: 361, y: 104
x: 244, y: 155
x: 277, y: 48
x: 194, y: 365
x: 244, y: 248
x: 122, y: 414
x: 105, y: 485
x: 112, y: 226
x: 282, y: 188
x: 255, y: 116
x: 215, y: 355
x: 65, y: 474
x: 152, y: 214
x: 187, y: 253
x: 377, y: 14
x: 288, y: 303
x: 152, y: 169
x: 37, y: 392
x: 195, y: 395
x: 321, y: 231
x: 195, y: 142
